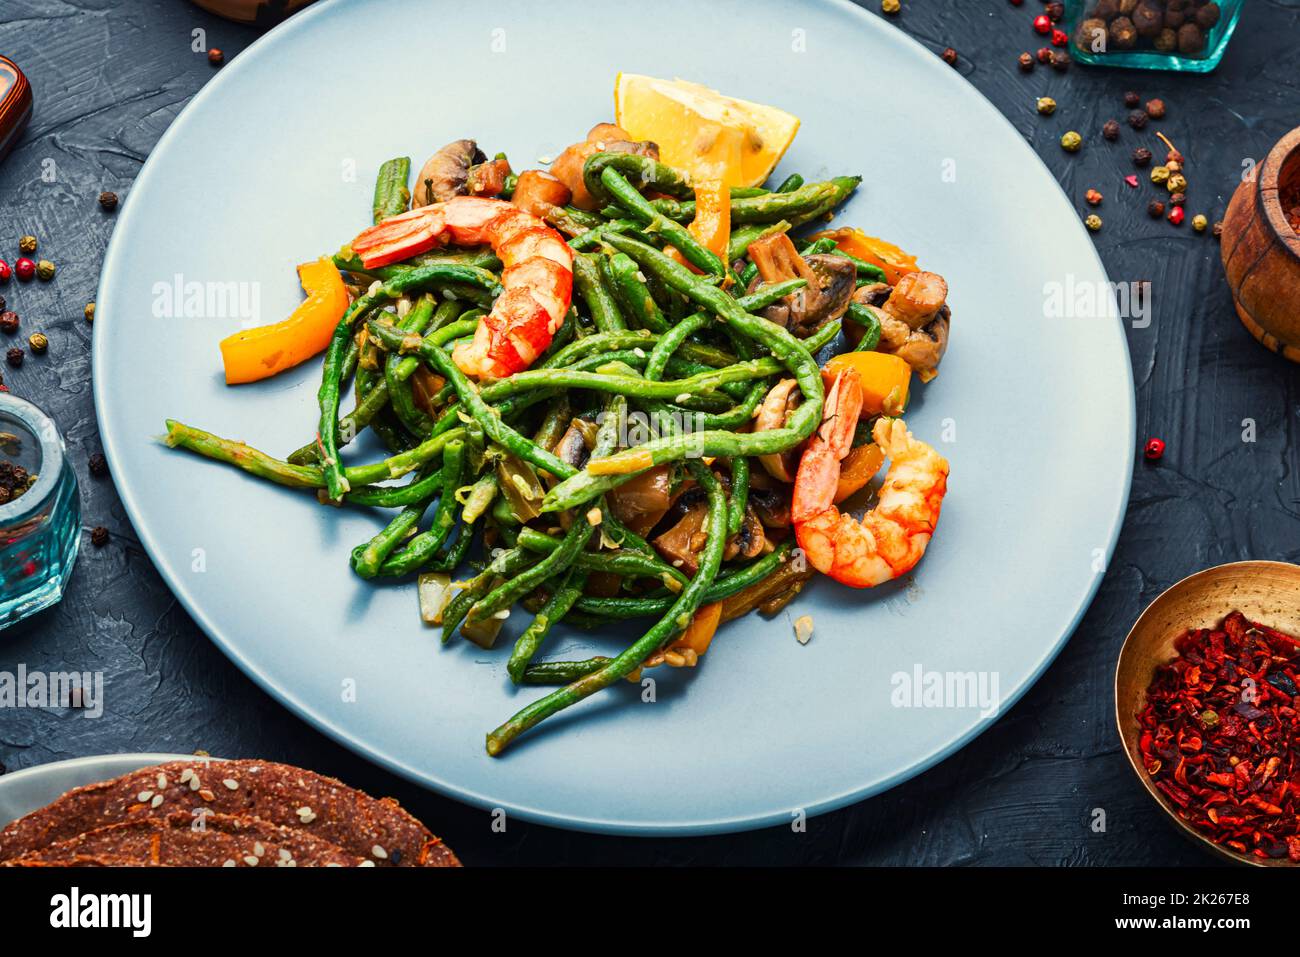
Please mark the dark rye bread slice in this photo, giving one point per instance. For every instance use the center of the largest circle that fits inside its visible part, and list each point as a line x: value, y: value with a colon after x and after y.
x: 291, y: 797
x: 183, y: 840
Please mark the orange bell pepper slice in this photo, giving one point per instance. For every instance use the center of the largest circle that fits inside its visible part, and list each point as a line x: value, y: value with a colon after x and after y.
x: 885, y: 379
x: 858, y: 468
x: 894, y: 261
x: 253, y: 354
x: 712, y: 222
x: 699, y: 633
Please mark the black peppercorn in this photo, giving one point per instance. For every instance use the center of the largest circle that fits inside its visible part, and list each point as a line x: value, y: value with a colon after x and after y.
x: 1123, y: 35
x: 1044, y: 55
x: 1137, y: 119
x: 216, y: 57
x: 949, y: 56
x: 1131, y: 99
x: 1060, y: 61
x: 9, y: 322
x: 1141, y: 156
x: 1155, y: 209
x: 1217, y: 228
x: 108, y: 201
x: 98, y: 465
x: 1026, y: 61
x: 1156, y: 109
x: 1055, y: 11
x: 99, y: 536
x: 14, y: 357
x: 1178, y: 199
x: 1111, y: 130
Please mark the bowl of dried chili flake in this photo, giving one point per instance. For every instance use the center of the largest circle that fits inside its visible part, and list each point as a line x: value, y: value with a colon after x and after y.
x: 1207, y: 701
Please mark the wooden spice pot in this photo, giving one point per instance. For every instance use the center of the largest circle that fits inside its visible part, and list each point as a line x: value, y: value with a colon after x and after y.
x: 1267, y: 592
x: 1261, y: 252
x: 260, y: 12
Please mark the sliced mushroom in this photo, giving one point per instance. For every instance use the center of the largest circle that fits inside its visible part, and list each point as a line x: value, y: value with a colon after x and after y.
x: 831, y: 281
x: 540, y: 193
x: 914, y: 320
x: 749, y: 541
x: 603, y: 138
x: 681, y: 543
x: 782, y: 399
x: 771, y: 506
x: 642, y: 502
x: 446, y: 174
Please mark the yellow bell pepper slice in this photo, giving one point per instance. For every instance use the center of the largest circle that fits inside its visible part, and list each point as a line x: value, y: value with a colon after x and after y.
x: 259, y: 353
x: 712, y: 222
x: 885, y: 379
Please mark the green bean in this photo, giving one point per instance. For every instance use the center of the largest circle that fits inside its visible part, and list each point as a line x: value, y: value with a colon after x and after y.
x: 739, y: 496
x: 388, y: 496
x: 561, y: 672
x: 481, y: 494
x: 453, y: 557
x: 600, y: 304
x: 416, y: 552
x: 391, y: 193
x: 625, y: 562
x: 819, y: 247
x: 645, y: 172
x: 516, y: 587
x: 556, y: 607
x: 790, y: 183
x: 668, y: 344
x: 554, y: 424
x: 866, y: 317
x: 592, y: 237
x: 488, y: 418
x: 677, y: 235
x: 748, y: 275
x: 790, y: 351
x: 703, y: 383
x: 866, y: 270
x: 724, y: 587
x: 399, y: 388
x: 742, y: 238
x: 328, y: 395
x: 674, y: 621
x: 347, y: 261
x: 261, y: 465
x: 367, y: 558
x: 505, y: 564
x: 798, y: 206
x: 634, y: 294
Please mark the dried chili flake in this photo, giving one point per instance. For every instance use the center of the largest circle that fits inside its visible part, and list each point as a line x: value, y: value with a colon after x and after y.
x: 1220, y: 737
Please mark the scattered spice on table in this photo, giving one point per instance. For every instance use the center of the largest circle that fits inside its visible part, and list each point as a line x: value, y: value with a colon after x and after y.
x: 1154, y: 449
x: 1199, y: 222
x: 1176, y: 215
x: 8, y: 322
x: 1060, y: 61
x: 89, y: 312
x: 1043, y: 24
x: 949, y: 56
x: 1093, y: 197
x: 1141, y: 156
x: 1044, y: 55
x: 1026, y: 61
x: 5, y: 271
x: 98, y: 465
x: 1110, y: 130
x: 45, y: 270
x: 1155, y: 209
x: 108, y: 200
x: 1218, y: 736
x: 25, y: 269
x: 216, y: 57
x: 1155, y: 109
x: 1093, y: 223
x: 1138, y: 119
x: 14, y: 357
x: 99, y: 536
x: 1071, y: 141
x: 1046, y: 105
x: 38, y: 341
x: 27, y: 244
x: 890, y: 6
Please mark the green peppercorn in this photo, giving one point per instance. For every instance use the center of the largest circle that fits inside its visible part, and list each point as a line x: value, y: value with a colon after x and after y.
x: 1160, y: 174
x: 1177, y: 183
x: 1071, y: 142
x: 90, y: 312
x: 1093, y: 222
x: 1209, y: 719
x: 27, y: 244
x: 1199, y: 222
x: 39, y: 341
x: 45, y: 270
x: 1046, y: 105
x: 890, y: 6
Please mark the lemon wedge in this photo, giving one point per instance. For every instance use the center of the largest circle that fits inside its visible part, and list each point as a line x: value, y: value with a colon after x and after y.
x: 700, y: 130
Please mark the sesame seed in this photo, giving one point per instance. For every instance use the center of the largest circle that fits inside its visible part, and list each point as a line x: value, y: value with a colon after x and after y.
x: 195, y: 784
x: 258, y: 849
x: 250, y: 860
x: 366, y: 864
x: 162, y: 780
x: 231, y: 783
x: 186, y: 775
x: 306, y: 815
x: 207, y: 795
x: 228, y: 863
x: 285, y: 855
x: 379, y: 852
x: 144, y: 796
x: 333, y: 865
x: 157, y: 799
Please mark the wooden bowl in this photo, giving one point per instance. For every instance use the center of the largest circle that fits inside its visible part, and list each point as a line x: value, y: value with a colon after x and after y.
x: 1261, y: 252
x: 1267, y: 592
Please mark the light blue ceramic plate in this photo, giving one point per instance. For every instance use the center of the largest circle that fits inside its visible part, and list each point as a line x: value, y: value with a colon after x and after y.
x: 272, y: 165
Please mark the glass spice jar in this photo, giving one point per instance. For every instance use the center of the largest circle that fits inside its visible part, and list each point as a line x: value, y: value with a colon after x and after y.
x: 1185, y: 35
x: 40, y: 519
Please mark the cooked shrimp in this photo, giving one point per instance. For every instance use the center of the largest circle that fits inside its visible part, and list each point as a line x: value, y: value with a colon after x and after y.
x: 890, y: 538
x: 537, y: 277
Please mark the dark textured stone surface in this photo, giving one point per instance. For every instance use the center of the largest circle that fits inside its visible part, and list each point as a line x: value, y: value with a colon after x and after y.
x: 110, y: 75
